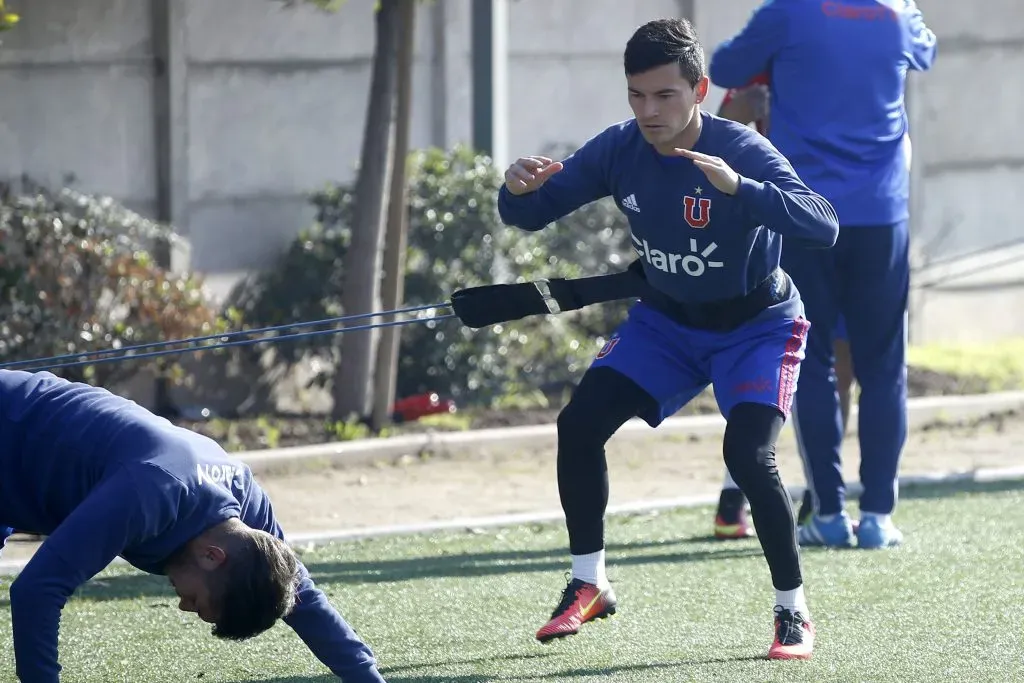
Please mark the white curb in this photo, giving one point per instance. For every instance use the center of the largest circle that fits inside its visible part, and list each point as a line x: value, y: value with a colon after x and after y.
x: 921, y: 411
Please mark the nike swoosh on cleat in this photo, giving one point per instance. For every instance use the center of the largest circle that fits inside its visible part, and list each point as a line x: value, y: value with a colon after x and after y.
x: 586, y: 610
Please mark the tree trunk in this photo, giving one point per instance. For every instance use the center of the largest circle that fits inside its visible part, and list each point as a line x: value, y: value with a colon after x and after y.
x: 393, y: 289
x: 361, y: 294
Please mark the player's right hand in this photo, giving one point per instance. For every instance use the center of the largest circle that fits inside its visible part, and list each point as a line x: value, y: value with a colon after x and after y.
x: 529, y: 173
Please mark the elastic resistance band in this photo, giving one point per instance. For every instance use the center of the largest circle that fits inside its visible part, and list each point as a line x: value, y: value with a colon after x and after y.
x: 11, y: 365
x: 224, y: 345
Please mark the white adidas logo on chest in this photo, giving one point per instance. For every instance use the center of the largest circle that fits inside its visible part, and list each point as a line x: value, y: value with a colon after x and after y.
x: 629, y: 202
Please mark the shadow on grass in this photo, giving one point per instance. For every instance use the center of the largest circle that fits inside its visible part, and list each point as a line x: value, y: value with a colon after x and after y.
x: 468, y: 678
x: 683, y: 549
x: 421, y: 672
x: 468, y: 565
x: 516, y: 657
x: 579, y: 672
x: 408, y: 673
x: 463, y: 565
x: 588, y: 672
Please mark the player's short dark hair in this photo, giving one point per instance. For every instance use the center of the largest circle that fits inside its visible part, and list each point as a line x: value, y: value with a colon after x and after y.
x: 666, y: 41
x: 256, y: 586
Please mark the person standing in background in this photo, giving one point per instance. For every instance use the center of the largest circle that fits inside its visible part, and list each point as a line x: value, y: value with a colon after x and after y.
x: 837, y: 74
x: 750, y: 105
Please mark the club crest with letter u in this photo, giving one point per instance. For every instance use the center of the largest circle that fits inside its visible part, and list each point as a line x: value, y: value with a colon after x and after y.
x: 607, y: 348
x: 697, y: 211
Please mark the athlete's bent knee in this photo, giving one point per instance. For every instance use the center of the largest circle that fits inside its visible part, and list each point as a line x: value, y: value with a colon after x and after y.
x: 749, y: 443
x: 604, y: 400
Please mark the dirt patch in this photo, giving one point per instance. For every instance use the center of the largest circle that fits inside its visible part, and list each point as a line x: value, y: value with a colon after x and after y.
x: 284, y: 431
x: 501, y: 480
x: 922, y: 382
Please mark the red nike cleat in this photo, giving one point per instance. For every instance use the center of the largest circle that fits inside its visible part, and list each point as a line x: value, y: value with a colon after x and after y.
x: 581, y: 602
x: 725, y: 531
x: 794, y: 636
x: 731, y: 518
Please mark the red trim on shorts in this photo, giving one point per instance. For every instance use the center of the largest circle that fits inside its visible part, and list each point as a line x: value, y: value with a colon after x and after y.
x: 790, y: 364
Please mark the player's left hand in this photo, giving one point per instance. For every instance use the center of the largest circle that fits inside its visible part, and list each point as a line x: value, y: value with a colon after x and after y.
x: 719, y: 173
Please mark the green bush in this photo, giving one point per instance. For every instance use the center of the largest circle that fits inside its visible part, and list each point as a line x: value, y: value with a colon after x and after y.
x: 76, y: 274
x: 8, y: 20
x: 455, y: 241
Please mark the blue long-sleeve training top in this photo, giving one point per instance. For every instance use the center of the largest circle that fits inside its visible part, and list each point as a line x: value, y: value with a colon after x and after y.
x: 838, y: 72
x: 103, y: 477
x: 696, y: 244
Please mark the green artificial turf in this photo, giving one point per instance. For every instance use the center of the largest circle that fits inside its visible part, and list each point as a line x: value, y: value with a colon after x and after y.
x: 463, y: 607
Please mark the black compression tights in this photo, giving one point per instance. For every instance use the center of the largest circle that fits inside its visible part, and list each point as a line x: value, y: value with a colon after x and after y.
x: 749, y: 449
x: 604, y: 401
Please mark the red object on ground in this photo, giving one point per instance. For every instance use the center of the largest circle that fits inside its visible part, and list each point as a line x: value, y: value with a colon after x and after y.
x: 414, y: 407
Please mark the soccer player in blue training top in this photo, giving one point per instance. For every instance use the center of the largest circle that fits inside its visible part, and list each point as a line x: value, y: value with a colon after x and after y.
x: 709, y: 202
x: 838, y: 73
x: 103, y: 477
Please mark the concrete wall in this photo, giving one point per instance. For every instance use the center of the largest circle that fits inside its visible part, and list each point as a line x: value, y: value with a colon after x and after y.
x: 76, y: 96
x: 221, y: 114
x: 276, y: 106
x: 971, y: 150
x: 972, y: 299
x: 969, y: 166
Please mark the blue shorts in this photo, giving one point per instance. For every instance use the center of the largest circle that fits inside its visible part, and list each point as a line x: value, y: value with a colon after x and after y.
x: 758, y: 362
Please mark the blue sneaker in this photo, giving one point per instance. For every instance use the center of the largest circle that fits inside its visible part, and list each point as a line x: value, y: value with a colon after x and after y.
x: 873, y: 534
x: 834, y: 533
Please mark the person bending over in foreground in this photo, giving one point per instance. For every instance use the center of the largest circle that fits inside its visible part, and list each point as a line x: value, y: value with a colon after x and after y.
x: 709, y: 202
x: 102, y: 477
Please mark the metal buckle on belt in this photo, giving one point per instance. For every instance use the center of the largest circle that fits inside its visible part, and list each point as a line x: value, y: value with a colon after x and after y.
x: 544, y: 288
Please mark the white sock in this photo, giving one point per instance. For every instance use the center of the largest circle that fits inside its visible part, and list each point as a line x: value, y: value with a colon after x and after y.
x: 729, y: 482
x: 793, y: 600
x: 590, y: 568
x: 883, y: 520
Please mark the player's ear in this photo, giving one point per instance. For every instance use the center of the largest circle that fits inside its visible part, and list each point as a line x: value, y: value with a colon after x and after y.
x: 702, y: 89
x: 211, y: 556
